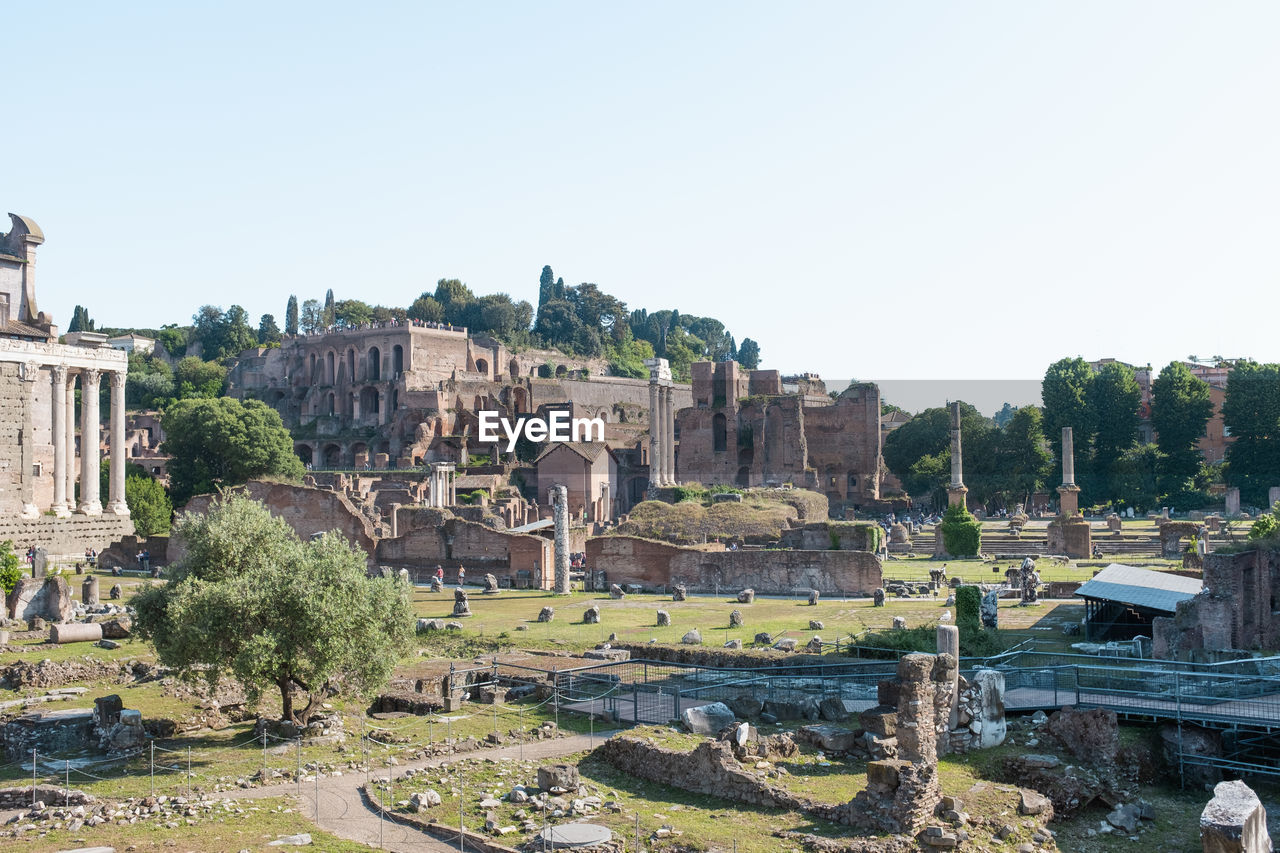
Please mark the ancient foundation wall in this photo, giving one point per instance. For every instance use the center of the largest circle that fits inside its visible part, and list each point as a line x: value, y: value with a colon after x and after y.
x: 658, y: 565
x: 1233, y: 612
x: 66, y: 535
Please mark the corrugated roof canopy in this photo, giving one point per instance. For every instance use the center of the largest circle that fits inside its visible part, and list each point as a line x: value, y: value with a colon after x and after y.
x: 1140, y: 587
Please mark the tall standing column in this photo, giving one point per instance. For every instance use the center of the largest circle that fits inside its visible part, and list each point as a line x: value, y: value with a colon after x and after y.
x: 1068, y: 457
x: 70, y: 440
x: 668, y: 437
x: 956, y: 490
x: 59, y: 437
x: 655, y: 434
x: 119, y: 458
x: 90, y: 442
x: 560, y: 513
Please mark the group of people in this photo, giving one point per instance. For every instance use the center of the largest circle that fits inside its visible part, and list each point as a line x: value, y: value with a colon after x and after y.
x: 462, y: 575
x: 388, y: 324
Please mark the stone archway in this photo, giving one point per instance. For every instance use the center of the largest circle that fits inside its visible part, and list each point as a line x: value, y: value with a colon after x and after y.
x: 332, y: 457
x: 305, y: 453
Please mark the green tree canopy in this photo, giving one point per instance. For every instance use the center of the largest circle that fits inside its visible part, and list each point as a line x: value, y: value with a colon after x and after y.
x: 749, y: 354
x: 268, y: 331
x: 1114, y: 397
x: 291, y: 316
x: 310, y: 319
x: 194, y: 377
x: 1180, y: 409
x: 251, y: 601
x: 1065, y: 392
x: 222, y: 334
x: 426, y: 309
x: 10, y: 567
x: 223, y: 442
x: 350, y: 313
x: 1251, y: 410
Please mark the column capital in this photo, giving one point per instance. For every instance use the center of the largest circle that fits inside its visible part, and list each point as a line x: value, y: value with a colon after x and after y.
x: 118, y: 378
x: 59, y: 372
x: 90, y: 375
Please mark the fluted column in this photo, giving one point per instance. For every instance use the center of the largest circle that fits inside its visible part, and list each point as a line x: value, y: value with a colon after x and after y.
x: 60, y: 506
x: 70, y: 440
x: 90, y: 386
x: 119, y: 458
x: 655, y: 435
x: 668, y: 437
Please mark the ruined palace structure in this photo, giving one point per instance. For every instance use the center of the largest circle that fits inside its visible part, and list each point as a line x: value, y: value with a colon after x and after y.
x: 757, y: 428
x: 41, y: 461
x: 1235, y: 612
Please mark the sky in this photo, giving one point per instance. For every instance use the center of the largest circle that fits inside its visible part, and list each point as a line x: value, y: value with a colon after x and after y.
x: 889, y: 191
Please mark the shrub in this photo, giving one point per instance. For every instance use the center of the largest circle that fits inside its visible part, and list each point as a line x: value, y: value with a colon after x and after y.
x: 961, y: 532
x: 968, y: 609
x: 10, y: 567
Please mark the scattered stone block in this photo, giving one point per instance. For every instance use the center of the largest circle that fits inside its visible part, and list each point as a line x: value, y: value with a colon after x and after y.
x: 692, y: 637
x: 707, y: 719
x: 664, y: 619
x: 546, y: 614
x: 1234, y: 821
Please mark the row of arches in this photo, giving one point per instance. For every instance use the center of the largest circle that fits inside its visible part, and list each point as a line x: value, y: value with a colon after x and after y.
x: 334, y: 455
x: 330, y: 368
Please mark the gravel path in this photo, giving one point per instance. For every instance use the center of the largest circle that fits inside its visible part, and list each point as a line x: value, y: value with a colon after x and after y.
x: 343, y: 812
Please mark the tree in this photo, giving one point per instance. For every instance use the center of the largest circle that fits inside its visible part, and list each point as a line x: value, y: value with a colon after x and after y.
x: 1134, y: 480
x: 194, y: 377
x: 309, y: 321
x: 1114, y: 397
x: 1251, y: 410
x: 1180, y: 409
x: 252, y: 601
x: 749, y: 354
x: 546, y: 286
x: 329, y: 316
x: 291, y: 316
x: 173, y: 339
x: 426, y: 309
x: 148, y: 502
x: 1065, y: 392
x: 10, y: 567
x: 268, y: 331
x: 222, y: 334
x: 1025, y: 461
x: 80, y: 321
x: 225, y: 442
x: 1003, y: 416
x: 352, y: 312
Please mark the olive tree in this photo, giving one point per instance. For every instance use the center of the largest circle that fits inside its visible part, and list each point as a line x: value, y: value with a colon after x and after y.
x: 250, y: 600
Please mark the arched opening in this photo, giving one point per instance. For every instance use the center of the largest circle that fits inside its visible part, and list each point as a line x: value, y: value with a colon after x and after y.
x: 477, y: 404
x: 397, y: 361
x: 743, y: 479
x: 304, y: 453
x: 329, y: 404
x: 513, y: 368
x: 562, y: 372
x: 330, y: 374
x: 375, y: 365
x: 519, y: 401
x: 395, y: 400
x: 482, y: 366
x: 851, y: 484
x: 358, y: 449
x: 384, y: 447
x: 277, y: 397
x: 351, y: 404
x: 313, y: 369
x: 332, y: 456
x: 351, y: 365
x: 369, y: 401
x: 720, y: 432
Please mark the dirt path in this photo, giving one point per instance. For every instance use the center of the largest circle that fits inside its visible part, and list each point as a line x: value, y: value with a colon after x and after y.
x: 343, y: 812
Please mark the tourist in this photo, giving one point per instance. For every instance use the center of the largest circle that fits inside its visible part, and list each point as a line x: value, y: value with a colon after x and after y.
x: 462, y: 576
x: 440, y: 573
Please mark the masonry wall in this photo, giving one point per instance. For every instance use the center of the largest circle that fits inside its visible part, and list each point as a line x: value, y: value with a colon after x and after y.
x: 14, y: 439
x: 478, y: 547
x: 1237, y: 609
x: 65, y: 535
x: 658, y: 565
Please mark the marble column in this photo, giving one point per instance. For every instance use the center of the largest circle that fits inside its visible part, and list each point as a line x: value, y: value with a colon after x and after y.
x: 560, y: 514
x: 655, y: 435
x: 668, y: 438
x: 90, y: 441
x: 70, y: 440
x: 956, y: 489
x: 119, y: 458
x: 1068, y: 457
x: 59, y: 438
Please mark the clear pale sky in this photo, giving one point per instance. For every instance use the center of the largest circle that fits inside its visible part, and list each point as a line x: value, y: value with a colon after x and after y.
x: 888, y: 191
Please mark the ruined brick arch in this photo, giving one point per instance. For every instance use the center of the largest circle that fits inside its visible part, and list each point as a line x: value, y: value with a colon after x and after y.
x: 305, y: 453
x: 329, y: 404
x: 561, y: 372
x: 351, y: 365
x: 395, y: 400
x: 358, y: 447
x: 374, y: 369
x: 368, y: 401
x: 313, y: 377
x: 477, y: 404
x: 743, y: 479
x: 397, y: 360
x: 330, y: 369
x: 384, y: 447
x: 719, y: 432
x: 519, y: 401
x: 332, y: 456
x: 482, y: 366
x: 513, y: 368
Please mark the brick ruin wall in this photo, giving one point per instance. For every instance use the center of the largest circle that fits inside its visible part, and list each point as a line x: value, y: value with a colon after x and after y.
x: 1235, y: 611
x: 658, y: 565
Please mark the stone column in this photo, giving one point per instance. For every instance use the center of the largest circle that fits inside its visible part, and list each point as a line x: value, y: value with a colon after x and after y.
x: 655, y: 435
x: 119, y: 456
x: 949, y: 644
x: 70, y: 440
x: 956, y: 490
x: 668, y: 437
x: 90, y: 503
x: 59, y: 438
x: 382, y: 407
x: 1068, y: 458
x: 89, y: 591
x: 560, y: 513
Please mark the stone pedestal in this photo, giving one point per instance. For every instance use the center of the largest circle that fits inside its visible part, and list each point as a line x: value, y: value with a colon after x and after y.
x: 1233, y: 501
x: 1070, y: 536
x: 1069, y: 499
x: 89, y: 591
x: 955, y: 495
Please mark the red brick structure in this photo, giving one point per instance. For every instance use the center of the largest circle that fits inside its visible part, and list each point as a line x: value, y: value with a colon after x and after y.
x: 755, y: 428
x: 1236, y: 610
x: 588, y: 470
x: 658, y: 565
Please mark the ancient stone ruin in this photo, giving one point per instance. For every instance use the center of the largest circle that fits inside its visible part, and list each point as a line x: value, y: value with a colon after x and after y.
x: 461, y: 606
x: 1234, y: 821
